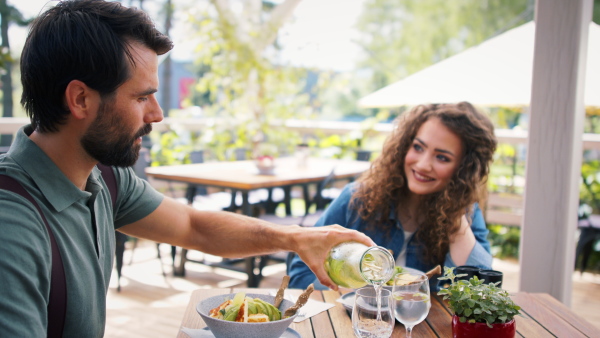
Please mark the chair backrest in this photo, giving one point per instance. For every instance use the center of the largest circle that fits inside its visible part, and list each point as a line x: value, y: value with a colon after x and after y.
x: 363, y: 155
x: 197, y: 156
x: 240, y: 154
x: 504, y: 209
x: 288, y: 261
x: 141, y: 164
x: 318, y: 198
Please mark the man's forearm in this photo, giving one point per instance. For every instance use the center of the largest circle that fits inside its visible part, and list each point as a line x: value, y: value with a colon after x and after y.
x: 228, y: 234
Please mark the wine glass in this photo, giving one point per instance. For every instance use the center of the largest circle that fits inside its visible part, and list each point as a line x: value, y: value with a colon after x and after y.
x: 365, y: 319
x: 411, y: 294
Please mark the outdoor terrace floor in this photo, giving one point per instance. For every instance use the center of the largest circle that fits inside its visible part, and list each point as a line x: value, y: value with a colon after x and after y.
x: 152, y: 305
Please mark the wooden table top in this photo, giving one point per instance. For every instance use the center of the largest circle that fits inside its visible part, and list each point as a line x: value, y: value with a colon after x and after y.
x: 542, y: 316
x: 243, y: 175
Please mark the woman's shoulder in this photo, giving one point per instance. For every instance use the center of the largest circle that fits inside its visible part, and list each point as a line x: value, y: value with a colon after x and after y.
x: 351, y: 187
x: 349, y: 190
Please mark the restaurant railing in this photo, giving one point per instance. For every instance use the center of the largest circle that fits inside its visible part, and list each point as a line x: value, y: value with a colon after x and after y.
x: 9, y: 125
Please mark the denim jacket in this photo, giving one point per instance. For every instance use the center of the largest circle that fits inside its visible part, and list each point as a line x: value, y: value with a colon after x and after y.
x: 340, y: 213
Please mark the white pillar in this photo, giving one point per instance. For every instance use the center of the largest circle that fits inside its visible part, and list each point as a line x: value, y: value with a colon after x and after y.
x: 554, y: 148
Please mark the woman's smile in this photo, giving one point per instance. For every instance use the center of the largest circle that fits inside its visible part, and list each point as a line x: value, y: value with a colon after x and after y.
x: 422, y: 178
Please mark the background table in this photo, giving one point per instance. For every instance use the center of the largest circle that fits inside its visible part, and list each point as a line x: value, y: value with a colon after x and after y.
x: 243, y: 176
x: 542, y: 316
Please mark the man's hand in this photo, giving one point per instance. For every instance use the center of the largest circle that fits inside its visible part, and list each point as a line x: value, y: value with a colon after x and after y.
x: 313, y: 246
x: 230, y: 235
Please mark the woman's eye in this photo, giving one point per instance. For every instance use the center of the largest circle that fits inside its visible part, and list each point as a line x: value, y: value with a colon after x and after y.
x: 417, y: 147
x: 443, y: 158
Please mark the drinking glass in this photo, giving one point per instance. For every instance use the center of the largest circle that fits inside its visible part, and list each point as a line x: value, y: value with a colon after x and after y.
x: 411, y: 294
x: 365, y: 321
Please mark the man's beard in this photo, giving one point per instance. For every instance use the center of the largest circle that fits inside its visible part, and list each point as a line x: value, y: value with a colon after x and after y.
x: 108, y: 142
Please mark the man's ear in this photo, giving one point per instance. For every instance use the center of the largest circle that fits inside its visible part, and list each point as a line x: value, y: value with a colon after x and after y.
x: 81, y: 100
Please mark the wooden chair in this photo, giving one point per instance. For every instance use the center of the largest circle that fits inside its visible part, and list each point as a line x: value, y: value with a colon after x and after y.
x: 317, y: 200
x: 504, y: 209
x: 198, y: 196
x: 266, y: 199
x: 331, y: 193
x: 121, y: 238
x: 589, y: 234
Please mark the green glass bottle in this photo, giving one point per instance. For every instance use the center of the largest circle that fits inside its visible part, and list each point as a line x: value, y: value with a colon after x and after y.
x: 354, y: 265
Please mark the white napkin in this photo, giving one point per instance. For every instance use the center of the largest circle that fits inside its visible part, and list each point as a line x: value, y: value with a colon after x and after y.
x: 311, y: 308
x: 197, y: 333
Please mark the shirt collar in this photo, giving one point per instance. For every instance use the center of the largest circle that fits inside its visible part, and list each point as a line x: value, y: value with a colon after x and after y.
x: 52, y: 183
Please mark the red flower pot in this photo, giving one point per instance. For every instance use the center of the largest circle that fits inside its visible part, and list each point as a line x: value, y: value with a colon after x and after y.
x: 468, y: 330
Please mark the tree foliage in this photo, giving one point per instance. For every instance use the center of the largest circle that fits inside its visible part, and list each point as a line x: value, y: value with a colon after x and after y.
x: 400, y: 37
x: 8, y: 15
x: 247, y: 90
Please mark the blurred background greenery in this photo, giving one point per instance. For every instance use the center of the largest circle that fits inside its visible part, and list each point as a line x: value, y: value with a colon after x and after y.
x: 236, y: 73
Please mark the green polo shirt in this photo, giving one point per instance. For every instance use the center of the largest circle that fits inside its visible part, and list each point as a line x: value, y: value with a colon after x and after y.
x: 83, y: 224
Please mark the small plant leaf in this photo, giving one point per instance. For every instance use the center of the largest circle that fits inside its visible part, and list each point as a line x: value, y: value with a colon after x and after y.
x: 474, y: 301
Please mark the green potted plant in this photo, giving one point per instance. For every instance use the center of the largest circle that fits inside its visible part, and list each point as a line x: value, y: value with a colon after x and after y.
x: 479, y: 309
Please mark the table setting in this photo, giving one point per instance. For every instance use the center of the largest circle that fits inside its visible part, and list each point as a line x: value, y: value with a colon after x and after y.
x: 328, y: 313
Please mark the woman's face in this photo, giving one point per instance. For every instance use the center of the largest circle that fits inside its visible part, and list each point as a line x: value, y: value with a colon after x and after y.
x: 433, y: 157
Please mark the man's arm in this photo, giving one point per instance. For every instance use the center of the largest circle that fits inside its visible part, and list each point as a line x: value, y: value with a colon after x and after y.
x: 470, y: 245
x: 231, y: 235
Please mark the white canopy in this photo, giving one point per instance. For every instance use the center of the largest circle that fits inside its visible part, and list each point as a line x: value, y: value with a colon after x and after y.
x: 497, y: 72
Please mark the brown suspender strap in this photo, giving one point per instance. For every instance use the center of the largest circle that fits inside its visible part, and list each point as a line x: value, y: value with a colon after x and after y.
x: 111, y: 182
x: 57, y: 304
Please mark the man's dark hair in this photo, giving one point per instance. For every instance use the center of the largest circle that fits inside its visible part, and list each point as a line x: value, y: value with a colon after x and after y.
x: 85, y: 40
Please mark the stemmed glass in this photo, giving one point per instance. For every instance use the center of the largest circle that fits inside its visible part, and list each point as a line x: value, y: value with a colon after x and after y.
x: 411, y: 293
x: 367, y: 320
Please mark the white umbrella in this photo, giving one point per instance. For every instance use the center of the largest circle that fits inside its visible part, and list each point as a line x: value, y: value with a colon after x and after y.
x: 497, y: 72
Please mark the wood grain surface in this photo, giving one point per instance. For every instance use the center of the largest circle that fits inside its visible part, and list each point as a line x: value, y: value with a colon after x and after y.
x: 542, y: 316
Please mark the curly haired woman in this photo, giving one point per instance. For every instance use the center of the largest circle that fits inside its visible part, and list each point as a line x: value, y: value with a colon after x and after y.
x: 419, y: 199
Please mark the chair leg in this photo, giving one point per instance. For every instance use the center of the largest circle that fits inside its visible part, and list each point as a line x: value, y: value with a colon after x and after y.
x: 173, y: 253
x: 306, y: 198
x: 160, y: 259
x: 119, y: 250
x: 269, y: 205
x: 288, y: 200
x: 288, y: 261
x: 585, y: 246
x: 135, y: 242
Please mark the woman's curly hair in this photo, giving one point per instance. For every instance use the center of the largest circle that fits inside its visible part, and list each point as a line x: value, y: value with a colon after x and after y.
x: 384, y: 187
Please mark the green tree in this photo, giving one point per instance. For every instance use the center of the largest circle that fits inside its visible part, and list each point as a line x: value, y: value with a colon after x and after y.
x: 249, y: 92
x: 8, y: 15
x: 400, y: 37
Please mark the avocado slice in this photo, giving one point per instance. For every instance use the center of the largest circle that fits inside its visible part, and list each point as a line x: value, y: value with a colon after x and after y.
x: 266, y: 306
x: 252, y: 308
x: 232, y: 313
x: 261, y: 308
x: 273, y: 312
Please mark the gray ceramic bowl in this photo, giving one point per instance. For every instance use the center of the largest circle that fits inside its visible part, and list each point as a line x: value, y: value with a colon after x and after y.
x: 226, y: 329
